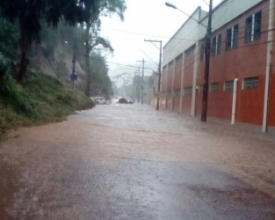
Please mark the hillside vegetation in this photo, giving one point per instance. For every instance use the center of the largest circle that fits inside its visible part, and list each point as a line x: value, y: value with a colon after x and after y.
x: 41, y: 98
x: 52, y: 58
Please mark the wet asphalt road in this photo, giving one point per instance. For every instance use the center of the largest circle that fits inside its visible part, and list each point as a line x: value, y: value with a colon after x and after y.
x: 131, y: 162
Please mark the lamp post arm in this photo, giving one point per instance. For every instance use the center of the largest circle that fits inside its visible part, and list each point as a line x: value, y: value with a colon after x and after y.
x: 174, y: 7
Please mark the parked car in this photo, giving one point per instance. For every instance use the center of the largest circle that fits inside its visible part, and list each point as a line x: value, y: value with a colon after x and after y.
x: 130, y: 101
x: 122, y: 101
x: 94, y: 99
x: 101, y: 100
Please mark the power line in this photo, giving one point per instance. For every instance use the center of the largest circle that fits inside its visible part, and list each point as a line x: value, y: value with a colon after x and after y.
x: 120, y: 64
x: 148, y: 57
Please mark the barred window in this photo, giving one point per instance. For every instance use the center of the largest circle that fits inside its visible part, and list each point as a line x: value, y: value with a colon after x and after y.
x: 188, y: 90
x: 228, y: 85
x: 216, y: 45
x: 177, y: 92
x: 232, y: 37
x: 253, y: 27
x: 250, y: 83
x: 214, y: 87
x: 169, y: 93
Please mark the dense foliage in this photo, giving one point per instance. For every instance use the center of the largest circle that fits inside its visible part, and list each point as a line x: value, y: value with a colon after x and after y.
x: 8, y: 39
x: 29, y: 15
x: 46, y: 33
x: 41, y: 98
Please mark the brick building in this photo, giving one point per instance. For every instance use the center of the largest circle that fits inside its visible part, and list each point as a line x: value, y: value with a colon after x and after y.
x: 242, y: 73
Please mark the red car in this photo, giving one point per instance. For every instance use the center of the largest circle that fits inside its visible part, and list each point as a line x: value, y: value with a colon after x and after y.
x: 122, y: 101
x: 125, y: 101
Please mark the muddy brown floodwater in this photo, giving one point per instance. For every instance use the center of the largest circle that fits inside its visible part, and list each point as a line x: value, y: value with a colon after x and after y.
x: 131, y: 162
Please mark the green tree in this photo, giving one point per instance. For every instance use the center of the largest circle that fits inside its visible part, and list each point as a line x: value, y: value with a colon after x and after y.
x: 93, y: 10
x: 98, y: 41
x: 8, y: 39
x: 30, y: 13
x: 100, y: 78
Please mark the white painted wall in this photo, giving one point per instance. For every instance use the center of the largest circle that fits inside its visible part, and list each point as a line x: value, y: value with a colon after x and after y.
x: 185, y: 37
x: 190, y: 32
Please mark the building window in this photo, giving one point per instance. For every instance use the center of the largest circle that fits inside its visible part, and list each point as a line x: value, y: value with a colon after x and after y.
x: 228, y: 85
x: 216, y: 45
x: 188, y: 90
x: 250, y: 83
x: 179, y: 58
x: 170, y: 64
x: 189, y: 53
x: 177, y: 92
x: 232, y: 37
x: 253, y: 27
x: 202, y: 52
x: 214, y: 87
x: 169, y: 93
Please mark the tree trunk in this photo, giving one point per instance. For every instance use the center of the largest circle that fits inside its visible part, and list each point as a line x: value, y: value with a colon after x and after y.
x: 88, y: 72
x: 24, y: 48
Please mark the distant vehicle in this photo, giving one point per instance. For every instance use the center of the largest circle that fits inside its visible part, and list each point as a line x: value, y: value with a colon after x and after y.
x: 101, y: 100
x: 130, y: 101
x: 94, y: 99
x: 122, y: 101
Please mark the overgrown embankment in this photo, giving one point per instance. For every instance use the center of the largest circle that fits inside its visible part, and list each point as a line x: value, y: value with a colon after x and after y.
x: 40, y: 99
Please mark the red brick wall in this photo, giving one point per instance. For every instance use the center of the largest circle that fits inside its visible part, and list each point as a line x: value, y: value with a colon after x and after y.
x: 198, y: 103
x: 187, y: 82
x: 170, y: 78
x: 176, y: 104
x: 163, y: 81
x: 177, y: 77
x: 271, y: 110
x: 188, y: 72
x: 162, y: 102
x: 186, y: 104
x: 169, y: 103
x: 248, y: 60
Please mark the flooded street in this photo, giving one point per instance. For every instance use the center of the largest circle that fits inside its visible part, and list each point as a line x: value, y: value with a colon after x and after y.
x: 126, y: 162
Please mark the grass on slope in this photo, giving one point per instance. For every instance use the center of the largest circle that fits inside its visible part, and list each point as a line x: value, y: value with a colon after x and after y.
x: 40, y: 99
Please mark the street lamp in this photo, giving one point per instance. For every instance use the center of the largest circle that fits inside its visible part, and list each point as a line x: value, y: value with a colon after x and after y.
x: 174, y: 7
x: 207, y: 57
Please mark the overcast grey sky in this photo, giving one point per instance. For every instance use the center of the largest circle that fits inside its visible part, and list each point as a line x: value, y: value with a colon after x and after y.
x: 144, y: 19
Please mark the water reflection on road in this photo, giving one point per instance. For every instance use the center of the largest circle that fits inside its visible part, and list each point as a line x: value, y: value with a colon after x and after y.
x: 132, y: 162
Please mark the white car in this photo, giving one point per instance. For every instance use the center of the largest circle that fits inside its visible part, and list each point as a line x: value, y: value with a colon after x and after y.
x: 101, y: 100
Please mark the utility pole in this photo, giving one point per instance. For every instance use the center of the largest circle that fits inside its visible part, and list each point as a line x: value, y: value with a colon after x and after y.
x: 142, y: 81
x: 138, y: 85
x: 159, y: 68
x: 207, y: 65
